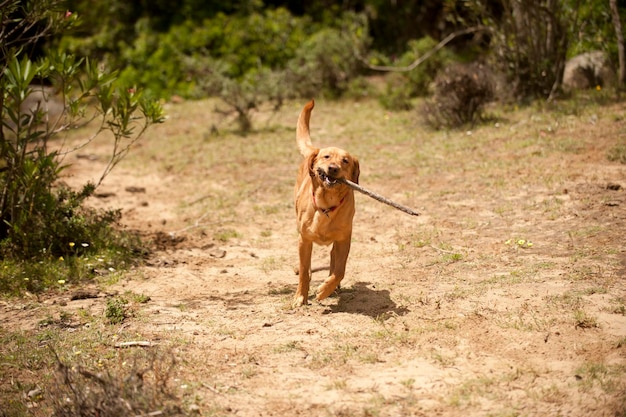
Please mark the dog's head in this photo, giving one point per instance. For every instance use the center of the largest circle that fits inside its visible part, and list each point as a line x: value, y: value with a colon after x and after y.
x: 330, y: 164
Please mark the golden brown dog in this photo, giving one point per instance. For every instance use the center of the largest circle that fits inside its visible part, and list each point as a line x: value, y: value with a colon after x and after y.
x: 324, y: 207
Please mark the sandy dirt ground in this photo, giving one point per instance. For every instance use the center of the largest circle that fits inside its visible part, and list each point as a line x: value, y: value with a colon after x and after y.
x: 506, y: 297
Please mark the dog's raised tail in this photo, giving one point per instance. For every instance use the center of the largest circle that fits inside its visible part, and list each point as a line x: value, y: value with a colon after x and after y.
x: 303, y: 136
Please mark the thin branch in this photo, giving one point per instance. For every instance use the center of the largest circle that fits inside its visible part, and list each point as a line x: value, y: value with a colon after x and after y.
x: 378, y: 197
x: 427, y: 55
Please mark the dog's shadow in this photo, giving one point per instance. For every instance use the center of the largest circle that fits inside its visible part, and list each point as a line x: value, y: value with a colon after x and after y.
x: 364, y: 298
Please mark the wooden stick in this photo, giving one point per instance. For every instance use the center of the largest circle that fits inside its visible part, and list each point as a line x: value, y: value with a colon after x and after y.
x: 378, y: 197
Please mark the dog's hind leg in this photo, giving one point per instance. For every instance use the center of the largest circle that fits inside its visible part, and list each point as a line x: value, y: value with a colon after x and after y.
x: 338, y: 259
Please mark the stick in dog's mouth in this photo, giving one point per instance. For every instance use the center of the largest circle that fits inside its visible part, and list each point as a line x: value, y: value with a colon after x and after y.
x: 328, y: 180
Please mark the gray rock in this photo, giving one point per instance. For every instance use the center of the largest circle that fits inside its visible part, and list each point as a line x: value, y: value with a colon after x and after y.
x: 588, y: 70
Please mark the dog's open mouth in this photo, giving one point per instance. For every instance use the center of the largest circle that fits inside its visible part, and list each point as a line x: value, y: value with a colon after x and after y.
x: 326, y: 179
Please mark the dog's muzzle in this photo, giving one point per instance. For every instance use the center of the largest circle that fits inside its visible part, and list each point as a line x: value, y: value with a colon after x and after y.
x: 326, y: 179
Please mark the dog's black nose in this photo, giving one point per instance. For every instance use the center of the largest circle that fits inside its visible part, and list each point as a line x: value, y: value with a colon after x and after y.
x: 333, y: 169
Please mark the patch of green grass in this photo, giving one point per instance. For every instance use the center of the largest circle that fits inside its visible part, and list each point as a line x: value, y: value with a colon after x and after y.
x: 469, y: 391
x: 442, y: 359
x: 116, y: 310
x: 585, y: 232
x: 73, y: 268
x: 458, y: 293
x: 224, y: 235
x: 451, y: 257
x: 583, y: 320
x: 502, y: 280
x: 408, y: 383
x: 395, y: 336
x: 338, y: 385
x: 568, y: 145
x: 288, y: 347
x: 608, y: 377
x: 617, y: 153
x: 29, y: 362
x: 525, y: 320
x: 342, y: 353
x: 594, y: 290
x: 270, y: 264
x: 618, y: 306
x: 568, y: 300
x: 284, y: 290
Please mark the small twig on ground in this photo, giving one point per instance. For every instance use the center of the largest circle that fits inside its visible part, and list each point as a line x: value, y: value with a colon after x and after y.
x: 142, y: 343
x: 378, y: 197
x: 207, y: 386
x: 442, y: 250
x: 193, y: 226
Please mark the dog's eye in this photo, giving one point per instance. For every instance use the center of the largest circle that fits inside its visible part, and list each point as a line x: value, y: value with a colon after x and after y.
x: 345, y: 160
x: 326, y: 156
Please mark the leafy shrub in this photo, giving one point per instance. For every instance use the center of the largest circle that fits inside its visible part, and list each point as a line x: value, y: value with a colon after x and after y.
x: 360, y: 88
x: 461, y: 93
x: 241, y: 96
x: 40, y: 221
x: 240, y: 43
x: 327, y: 61
x: 36, y: 216
x: 401, y: 87
x: 420, y: 79
x: 324, y: 63
x: 248, y: 60
x: 154, y: 62
x: 397, y: 94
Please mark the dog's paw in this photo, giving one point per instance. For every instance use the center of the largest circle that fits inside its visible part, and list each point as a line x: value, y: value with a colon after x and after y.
x: 326, y: 289
x: 299, y: 300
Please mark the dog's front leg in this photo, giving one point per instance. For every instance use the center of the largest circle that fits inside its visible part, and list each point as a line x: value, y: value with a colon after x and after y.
x: 305, y: 249
x: 338, y: 260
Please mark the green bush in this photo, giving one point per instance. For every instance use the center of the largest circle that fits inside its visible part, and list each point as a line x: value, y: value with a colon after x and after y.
x: 401, y: 87
x: 237, y: 54
x: 327, y: 62
x: 242, y: 96
x: 42, y: 223
x: 163, y: 63
x: 397, y: 95
x: 420, y: 79
x: 324, y: 64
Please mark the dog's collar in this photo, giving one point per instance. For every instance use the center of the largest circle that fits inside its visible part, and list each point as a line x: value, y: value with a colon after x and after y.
x: 328, y: 210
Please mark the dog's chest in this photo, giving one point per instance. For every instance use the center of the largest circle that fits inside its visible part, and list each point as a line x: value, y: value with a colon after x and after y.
x: 325, y: 229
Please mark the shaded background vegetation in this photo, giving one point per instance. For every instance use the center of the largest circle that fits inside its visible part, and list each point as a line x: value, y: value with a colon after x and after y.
x: 174, y: 47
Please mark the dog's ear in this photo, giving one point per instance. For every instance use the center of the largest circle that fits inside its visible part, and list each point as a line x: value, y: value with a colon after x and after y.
x: 356, y: 171
x: 310, y: 162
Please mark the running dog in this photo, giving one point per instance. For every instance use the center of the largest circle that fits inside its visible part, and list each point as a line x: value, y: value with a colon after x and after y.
x: 324, y: 208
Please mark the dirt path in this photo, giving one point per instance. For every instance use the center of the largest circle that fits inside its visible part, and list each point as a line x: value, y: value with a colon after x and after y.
x: 506, y: 297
